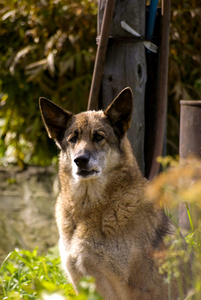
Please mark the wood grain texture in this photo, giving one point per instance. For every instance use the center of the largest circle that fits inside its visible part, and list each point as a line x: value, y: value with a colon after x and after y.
x: 125, y: 65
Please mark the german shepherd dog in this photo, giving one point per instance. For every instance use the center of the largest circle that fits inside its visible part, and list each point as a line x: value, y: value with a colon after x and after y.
x: 108, y: 228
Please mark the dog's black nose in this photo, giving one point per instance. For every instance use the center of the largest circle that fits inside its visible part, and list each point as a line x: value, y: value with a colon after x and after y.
x: 82, y: 160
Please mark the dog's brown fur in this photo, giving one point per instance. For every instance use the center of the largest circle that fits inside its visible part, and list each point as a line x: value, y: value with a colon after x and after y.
x: 108, y: 229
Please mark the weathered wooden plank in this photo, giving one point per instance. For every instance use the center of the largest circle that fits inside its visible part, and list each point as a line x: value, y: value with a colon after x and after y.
x: 125, y: 65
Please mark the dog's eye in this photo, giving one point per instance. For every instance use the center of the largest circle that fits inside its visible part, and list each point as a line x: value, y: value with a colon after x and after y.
x: 73, y: 139
x: 98, y: 137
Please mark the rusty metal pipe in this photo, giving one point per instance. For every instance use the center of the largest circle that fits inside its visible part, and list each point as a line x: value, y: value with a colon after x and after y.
x: 190, y: 128
x: 189, y: 144
x: 162, y: 89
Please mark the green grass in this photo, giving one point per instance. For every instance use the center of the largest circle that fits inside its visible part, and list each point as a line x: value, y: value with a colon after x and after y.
x: 29, y: 276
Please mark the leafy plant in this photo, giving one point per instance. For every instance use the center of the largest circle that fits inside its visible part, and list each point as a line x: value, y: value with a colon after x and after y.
x: 47, y: 49
x: 181, y: 184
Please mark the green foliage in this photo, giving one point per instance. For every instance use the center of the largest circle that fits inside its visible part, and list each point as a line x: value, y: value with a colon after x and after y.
x: 47, y: 49
x: 184, y: 63
x: 181, y: 184
x: 28, y: 276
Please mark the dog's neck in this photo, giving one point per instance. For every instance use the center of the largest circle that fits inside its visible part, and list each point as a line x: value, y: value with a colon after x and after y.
x: 87, y: 194
x: 83, y: 192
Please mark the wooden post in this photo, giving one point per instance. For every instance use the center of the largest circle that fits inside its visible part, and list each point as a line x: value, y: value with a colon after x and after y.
x: 125, y: 65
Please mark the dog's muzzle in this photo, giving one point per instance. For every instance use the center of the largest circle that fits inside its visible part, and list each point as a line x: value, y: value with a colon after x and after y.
x: 82, y: 161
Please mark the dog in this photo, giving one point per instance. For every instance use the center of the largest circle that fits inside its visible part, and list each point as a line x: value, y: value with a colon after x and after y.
x: 108, y: 228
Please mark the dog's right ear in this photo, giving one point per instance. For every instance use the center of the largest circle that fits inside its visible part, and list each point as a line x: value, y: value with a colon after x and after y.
x: 55, y: 118
x: 119, y: 111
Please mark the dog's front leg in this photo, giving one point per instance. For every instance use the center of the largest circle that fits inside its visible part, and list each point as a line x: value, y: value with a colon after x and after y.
x: 69, y: 266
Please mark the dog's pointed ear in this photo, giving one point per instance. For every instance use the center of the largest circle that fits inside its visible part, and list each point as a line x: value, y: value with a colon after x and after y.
x: 120, y: 110
x: 55, y: 118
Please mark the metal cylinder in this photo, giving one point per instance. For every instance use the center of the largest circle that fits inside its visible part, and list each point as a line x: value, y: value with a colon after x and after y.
x: 189, y: 144
x: 190, y: 128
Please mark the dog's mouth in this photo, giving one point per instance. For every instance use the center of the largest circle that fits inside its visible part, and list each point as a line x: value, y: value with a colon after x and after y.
x: 87, y: 173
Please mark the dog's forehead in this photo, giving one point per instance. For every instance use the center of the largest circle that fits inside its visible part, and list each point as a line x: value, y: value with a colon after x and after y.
x: 90, y: 119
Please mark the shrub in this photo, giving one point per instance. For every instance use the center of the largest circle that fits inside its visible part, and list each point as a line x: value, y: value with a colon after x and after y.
x: 48, y: 49
x: 181, y: 184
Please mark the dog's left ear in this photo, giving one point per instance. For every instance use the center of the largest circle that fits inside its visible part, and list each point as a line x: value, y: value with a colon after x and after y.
x: 55, y: 119
x: 120, y: 110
